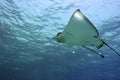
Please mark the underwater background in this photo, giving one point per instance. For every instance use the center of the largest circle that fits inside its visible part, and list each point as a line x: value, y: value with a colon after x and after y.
x: 27, y: 51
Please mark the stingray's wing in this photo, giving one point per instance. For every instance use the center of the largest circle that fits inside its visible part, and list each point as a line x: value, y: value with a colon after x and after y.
x: 80, y: 27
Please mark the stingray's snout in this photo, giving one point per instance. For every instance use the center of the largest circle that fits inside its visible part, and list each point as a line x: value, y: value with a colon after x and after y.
x: 57, y: 36
x: 54, y: 38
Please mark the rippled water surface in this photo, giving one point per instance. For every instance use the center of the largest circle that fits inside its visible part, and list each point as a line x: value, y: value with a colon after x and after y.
x: 27, y: 51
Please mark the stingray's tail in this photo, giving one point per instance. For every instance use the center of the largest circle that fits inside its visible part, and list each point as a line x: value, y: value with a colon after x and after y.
x: 111, y: 48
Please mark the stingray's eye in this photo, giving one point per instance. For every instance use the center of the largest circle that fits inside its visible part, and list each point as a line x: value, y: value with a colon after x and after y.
x: 59, y: 40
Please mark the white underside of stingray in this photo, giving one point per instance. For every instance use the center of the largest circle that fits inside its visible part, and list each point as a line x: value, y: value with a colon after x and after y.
x: 81, y: 32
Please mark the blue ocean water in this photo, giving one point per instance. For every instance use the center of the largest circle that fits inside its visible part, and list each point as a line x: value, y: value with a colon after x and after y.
x: 27, y: 51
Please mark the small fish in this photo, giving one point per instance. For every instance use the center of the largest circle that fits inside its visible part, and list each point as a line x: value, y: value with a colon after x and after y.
x: 81, y: 32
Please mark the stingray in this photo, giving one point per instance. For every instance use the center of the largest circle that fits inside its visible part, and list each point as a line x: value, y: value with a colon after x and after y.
x: 81, y: 32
